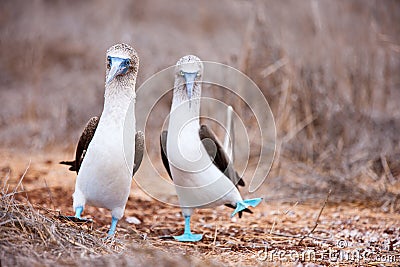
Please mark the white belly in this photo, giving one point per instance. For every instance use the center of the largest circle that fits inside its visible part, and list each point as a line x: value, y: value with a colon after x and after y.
x: 208, y: 188
x: 106, y: 172
x: 198, y: 182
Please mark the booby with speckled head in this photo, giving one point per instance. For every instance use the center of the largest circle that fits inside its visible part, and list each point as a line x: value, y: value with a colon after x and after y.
x: 200, y: 168
x: 110, y: 151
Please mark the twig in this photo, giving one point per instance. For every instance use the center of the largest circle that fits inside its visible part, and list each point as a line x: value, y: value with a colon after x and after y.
x: 22, y: 177
x: 290, y: 208
x: 273, y: 226
x: 4, y: 190
x: 386, y: 168
x: 285, y: 235
x: 5, y: 222
x: 49, y: 192
x: 299, y: 127
x: 78, y: 244
x: 284, y: 213
x: 274, y: 67
x: 215, y: 234
x: 301, y: 237
x: 316, y: 221
x: 245, y: 54
x: 187, y: 244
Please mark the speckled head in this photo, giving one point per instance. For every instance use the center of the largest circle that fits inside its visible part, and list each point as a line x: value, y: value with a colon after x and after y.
x: 122, y: 63
x: 188, y: 72
x: 189, y: 64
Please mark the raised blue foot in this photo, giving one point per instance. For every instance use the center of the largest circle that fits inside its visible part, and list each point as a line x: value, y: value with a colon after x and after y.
x: 187, y: 235
x: 241, y: 205
x: 113, y: 226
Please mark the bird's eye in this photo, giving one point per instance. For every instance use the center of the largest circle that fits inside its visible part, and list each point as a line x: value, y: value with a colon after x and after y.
x: 181, y: 73
x: 108, y: 62
x: 128, y: 62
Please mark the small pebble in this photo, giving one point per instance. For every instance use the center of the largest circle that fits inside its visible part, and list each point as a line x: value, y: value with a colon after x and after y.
x: 133, y: 220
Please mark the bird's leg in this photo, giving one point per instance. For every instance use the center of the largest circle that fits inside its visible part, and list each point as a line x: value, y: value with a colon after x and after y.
x: 113, y: 226
x: 187, y: 234
x: 78, y: 212
x: 243, y: 204
x: 187, y: 225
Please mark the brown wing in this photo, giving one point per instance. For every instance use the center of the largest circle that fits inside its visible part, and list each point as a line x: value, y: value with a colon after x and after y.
x: 218, y: 155
x: 83, y: 144
x: 163, y: 147
x: 214, y: 149
x: 139, y: 147
x: 221, y: 160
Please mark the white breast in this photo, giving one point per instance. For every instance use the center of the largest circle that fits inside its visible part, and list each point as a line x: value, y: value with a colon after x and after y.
x: 199, y: 183
x: 106, y: 172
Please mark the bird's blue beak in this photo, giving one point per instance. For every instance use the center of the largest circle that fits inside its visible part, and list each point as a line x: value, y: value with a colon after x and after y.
x: 189, y: 78
x: 118, y: 66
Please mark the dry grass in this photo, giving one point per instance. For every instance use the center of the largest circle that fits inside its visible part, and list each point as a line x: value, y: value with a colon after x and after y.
x: 34, y: 234
x: 333, y: 91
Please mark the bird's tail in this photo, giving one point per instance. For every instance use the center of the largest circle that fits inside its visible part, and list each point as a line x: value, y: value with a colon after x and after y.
x: 244, y: 204
x: 229, y: 136
x: 69, y: 163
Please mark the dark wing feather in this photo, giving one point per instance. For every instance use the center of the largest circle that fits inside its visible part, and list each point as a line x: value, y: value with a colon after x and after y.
x: 240, y: 212
x: 163, y: 147
x: 83, y: 144
x: 214, y: 149
x: 221, y: 160
x: 70, y: 163
x: 139, y: 147
x: 218, y: 155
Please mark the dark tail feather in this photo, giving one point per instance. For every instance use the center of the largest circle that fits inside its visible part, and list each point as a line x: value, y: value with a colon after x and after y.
x: 69, y: 163
x: 245, y: 210
x: 240, y: 212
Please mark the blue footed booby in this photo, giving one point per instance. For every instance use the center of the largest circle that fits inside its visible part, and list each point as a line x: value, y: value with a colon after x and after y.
x: 106, y: 158
x: 200, y: 168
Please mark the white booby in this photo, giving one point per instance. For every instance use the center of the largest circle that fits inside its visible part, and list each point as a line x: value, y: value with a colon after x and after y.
x: 201, y: 170
x: 110, y: 150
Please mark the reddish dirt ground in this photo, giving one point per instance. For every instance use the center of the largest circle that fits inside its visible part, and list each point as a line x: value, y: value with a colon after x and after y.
x: 277, y: 232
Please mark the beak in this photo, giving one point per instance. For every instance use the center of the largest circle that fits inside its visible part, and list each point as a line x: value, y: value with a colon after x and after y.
x: 189, y: 78
x: 117, y: 68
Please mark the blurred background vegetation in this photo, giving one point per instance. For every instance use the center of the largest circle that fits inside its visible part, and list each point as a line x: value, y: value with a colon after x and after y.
x: 329, y: 69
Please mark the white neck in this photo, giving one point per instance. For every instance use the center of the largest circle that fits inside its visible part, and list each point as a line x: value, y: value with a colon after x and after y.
x: 118, y: 95
x: 183, y: 141
x: 117, y: 123
x: 120, y: 87
x: 183, y: 111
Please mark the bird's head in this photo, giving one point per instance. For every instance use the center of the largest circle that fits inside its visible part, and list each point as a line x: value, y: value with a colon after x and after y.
x: 122, y: 61
x: 188, y: 74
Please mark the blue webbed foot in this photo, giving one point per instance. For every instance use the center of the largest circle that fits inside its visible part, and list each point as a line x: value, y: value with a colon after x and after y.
x: 241, y: 205
x: 77, y: 218
x: 188, y: 237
